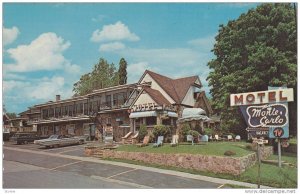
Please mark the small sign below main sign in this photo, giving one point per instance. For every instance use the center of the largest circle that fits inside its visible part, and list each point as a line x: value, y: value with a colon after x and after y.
x: 257, y: 132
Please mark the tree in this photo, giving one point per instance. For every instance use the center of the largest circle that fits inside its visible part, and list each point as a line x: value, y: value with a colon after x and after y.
x: 103, y: 75
x: 122, y: 72
x: 257, y: 50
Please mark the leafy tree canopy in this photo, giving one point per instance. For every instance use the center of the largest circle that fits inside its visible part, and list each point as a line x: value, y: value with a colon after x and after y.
x: 103, y: 75
x: 257, y: 50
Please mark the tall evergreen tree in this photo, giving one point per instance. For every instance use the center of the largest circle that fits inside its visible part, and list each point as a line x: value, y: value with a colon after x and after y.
x: 122, y: 72
x: 257, y: 50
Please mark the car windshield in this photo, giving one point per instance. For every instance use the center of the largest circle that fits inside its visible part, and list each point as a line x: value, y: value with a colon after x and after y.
x: 53, y: 137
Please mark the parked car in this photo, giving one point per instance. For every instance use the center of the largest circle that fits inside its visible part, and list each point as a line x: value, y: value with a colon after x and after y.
x: 24, y: 138
x: 60, y: 140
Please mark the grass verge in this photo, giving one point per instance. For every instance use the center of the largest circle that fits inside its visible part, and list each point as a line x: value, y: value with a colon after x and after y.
x: 273, y: 176
x: 211, y: 148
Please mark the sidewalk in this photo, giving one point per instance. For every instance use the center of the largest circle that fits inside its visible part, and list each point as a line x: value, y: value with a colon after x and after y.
x: 151, y: 169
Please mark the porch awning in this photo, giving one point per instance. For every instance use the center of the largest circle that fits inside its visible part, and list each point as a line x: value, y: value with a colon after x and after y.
x: 172, y: 114
x: 143, y: 114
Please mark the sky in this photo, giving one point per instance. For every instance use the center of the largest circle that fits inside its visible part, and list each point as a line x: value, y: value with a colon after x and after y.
x: 48, y: 46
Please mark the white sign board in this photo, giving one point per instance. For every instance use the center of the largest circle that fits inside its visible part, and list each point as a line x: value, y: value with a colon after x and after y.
x: 262, y: 97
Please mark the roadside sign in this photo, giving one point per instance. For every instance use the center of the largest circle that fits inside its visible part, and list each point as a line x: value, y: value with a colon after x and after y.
x: 262, y: 97
x: 260, y: 141
x: 257, y: 132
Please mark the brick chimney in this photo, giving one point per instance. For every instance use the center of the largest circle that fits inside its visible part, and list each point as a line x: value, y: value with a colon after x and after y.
x: 57, y: 98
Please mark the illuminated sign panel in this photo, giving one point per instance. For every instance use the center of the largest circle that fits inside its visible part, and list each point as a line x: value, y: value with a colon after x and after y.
x: 262, y: 97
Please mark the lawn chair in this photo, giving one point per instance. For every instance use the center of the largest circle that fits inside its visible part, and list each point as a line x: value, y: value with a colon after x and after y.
x: 145, y: 142
x: 159, y: 142
x: 237, y: 138
x: 229, y: 138
x: 217, y: 138
x: 190, y: 138
x: 174, y: 141
x: 204, y: 138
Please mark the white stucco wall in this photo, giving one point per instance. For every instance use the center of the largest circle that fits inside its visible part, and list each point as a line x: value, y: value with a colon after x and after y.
x: 144, y: 98
x: 155, y: 86
x: 189, y: 98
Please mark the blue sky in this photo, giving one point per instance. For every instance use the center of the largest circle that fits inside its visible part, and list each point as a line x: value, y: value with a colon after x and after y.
x: 47, y: 47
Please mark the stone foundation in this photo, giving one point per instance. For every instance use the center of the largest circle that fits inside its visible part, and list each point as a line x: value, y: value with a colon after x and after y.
x: 216, y: 164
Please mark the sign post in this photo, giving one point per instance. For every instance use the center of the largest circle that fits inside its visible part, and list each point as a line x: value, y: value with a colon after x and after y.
x: 259, y: 162
x: 279, y: 153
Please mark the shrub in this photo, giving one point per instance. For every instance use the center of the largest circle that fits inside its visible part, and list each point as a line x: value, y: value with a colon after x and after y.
x: 194, y: 133
x: 184, y: 131
x: 142, y: 132
x: 229, y: 153
x: 161, y: 130
x: 208, y: 131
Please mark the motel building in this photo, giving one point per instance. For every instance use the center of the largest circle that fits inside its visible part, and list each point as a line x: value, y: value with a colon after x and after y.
x: 154, y: 100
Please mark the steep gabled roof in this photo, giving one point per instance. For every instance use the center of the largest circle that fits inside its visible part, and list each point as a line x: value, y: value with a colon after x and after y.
x: 182, y: 85
x: 157, y: 96
x: 175, y: 88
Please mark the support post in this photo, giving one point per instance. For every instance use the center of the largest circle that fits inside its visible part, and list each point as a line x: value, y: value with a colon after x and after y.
x: 279, y: 153
x: 259, y: 162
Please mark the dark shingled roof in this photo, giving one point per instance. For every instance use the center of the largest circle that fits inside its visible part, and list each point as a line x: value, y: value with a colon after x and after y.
x: 176, y: 88
x: 156, y: 96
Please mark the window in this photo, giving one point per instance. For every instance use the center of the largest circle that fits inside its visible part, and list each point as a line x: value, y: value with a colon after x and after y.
x: 71, y: 110
x: 108, y: 100
x: 95, y: 106
x: 86, y: 108
x: 91, y: 107
x: 166, y: 121
x: 57, y: 112
x: 45, y: 113
x: 51, y: 112
x: 44, y: 130
x: 71, y: 129
x: 79, y: 108
x: 119, y: 99
x: 65, y: 110
x: 150, y: 120
x: 108, y: 121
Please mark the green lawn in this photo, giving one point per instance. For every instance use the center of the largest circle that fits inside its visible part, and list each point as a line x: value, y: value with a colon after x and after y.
x: 211, y: 148
x: 271, y: 175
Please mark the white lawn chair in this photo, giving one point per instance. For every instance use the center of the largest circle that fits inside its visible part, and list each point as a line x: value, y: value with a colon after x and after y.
x: 159, y: 142
x: 229, y: 138
x: 237, y: 138
x: 190, y: 138
x: 217, y: 138
x: 174, y: 140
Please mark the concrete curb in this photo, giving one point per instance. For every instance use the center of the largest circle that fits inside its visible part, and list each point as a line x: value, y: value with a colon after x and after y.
x: 169, y: 172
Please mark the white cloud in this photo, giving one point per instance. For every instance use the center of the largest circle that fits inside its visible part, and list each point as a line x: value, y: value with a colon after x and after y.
x: 43, y: 53
x: 164, y: 56
x: 47, y: 88
x: 136, y: 70
x: 99, y: 18
x: 14, y: 85
x: 10, y: 35
x: 114, y: 32
x: 205, y: 43
x: 114, y: 46
x: 40, y: 89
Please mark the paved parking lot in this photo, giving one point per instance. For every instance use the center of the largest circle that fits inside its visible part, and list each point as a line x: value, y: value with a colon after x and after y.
x: 70, y: 161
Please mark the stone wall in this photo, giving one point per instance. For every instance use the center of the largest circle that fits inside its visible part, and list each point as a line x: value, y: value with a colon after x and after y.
x: 216, y: 164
